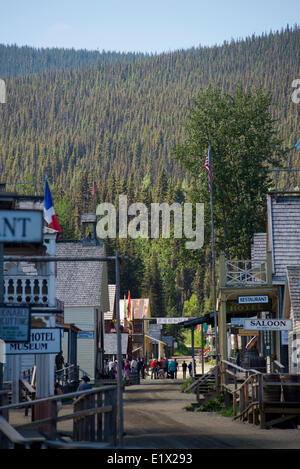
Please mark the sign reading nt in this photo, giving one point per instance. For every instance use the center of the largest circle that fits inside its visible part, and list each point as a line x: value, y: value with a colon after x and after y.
x: 21, y: 226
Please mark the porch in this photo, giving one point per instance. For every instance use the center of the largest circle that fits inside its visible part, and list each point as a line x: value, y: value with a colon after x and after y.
x: 246, y: 291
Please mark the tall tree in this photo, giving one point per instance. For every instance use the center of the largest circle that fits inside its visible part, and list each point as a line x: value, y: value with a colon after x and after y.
x: 240, y: 129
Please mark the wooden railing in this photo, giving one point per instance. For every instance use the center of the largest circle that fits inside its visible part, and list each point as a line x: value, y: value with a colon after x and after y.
x: 68, y: 374
x: 258, y: 397
x: 94, y: 420
x: 246, y: 272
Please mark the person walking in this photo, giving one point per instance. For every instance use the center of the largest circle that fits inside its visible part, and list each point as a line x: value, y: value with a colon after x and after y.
x: 127, y: 370
x: 176, y: 364
x: 153, y: 369
x: 165, y: 367
x: 133, y: 365
x: 172, y: 368
x: 143, y: 366
x: 190, y: 367
x: 184, y: 367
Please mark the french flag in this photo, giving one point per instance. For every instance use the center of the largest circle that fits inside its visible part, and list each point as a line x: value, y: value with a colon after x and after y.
x: 49, y: 213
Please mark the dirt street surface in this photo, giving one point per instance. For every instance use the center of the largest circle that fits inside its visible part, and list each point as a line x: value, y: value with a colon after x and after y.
x: 154, y: 417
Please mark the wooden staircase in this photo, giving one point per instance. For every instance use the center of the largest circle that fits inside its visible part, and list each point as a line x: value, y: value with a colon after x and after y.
x: 204, y: 386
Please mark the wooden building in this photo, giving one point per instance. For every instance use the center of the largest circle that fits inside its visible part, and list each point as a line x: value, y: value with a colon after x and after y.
x: 271, y: 272
x: 33, y: 284
x: 83, y: 288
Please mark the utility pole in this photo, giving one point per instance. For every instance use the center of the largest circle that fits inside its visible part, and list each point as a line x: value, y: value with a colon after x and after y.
x: 119, y: 354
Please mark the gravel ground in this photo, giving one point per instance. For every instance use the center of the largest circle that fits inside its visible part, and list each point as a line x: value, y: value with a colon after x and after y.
x: 154, y: 417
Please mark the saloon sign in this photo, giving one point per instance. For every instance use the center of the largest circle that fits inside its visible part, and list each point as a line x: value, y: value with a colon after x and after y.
x: 268, y: 324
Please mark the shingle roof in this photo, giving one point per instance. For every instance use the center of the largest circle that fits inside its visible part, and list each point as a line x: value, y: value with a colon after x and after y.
x: 284, y: 232
x: 79, y: 283
x: 293, y: 274
x: 259, y: 246
x: 108, y: 315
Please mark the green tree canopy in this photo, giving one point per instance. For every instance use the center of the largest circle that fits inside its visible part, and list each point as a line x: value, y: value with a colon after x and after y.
x: 240, y: 130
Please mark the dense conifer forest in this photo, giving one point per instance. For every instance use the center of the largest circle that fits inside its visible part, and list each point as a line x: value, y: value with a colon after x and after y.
x: 80, y: 116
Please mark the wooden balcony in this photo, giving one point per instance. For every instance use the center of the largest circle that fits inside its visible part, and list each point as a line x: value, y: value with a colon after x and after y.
x: 245, y: 273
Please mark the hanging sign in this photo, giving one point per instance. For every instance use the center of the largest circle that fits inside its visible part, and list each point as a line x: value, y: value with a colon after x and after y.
x: 42, y: 341
x: 268, y: 324
x: 14, y: 323
x: 21, y: 226
x: 171, y: 320
x: 253, y: 299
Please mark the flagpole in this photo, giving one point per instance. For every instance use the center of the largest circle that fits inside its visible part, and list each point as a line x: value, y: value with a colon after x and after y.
x: 213, y: 263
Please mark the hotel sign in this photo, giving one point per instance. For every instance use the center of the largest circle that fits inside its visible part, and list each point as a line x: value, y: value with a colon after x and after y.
x: 42, y: 341
x: 253, y: 299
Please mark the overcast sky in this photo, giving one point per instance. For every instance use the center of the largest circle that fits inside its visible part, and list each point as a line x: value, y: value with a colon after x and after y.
x: 140, y: 25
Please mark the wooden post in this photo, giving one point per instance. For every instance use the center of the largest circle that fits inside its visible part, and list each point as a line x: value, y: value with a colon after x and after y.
x: 269, y: 268
x: 193, y: 353
x: 202, y: 348
x: 222, y: 328
x: 120, y: 374
x: 222, y: 270
x: 1, y: 299
x: 99, y: 401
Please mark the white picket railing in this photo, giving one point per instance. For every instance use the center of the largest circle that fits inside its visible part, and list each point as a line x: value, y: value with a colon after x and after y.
x: 27, y: 290
x: 246, y: 272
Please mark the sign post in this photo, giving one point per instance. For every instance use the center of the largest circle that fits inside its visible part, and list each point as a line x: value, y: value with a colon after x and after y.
x: 17, y: 226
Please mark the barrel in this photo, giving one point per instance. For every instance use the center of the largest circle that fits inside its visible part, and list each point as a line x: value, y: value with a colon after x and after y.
x: 271, y: 392
x: 291, y: 393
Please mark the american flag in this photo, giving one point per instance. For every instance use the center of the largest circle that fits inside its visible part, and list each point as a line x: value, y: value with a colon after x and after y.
x: 207, y: 166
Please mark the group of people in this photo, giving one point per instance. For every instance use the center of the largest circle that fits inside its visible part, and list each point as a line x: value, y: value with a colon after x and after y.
x: 136, y: 365
x: 164, y: 368
x: 189, y: 366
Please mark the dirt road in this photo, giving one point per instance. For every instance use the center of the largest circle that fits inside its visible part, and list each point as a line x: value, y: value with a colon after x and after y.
x: 154, y: 417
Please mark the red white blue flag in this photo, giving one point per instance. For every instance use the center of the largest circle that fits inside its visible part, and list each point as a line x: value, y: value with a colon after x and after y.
x: 49, y: 213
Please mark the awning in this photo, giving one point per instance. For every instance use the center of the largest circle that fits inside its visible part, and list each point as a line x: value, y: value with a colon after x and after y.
x: 155, y: 340
x: 208, y: 318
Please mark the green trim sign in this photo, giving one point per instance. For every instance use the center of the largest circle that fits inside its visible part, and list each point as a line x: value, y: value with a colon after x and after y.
x: 14, y: 323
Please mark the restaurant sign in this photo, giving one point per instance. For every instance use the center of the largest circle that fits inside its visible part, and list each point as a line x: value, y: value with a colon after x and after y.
x: 253, y: 299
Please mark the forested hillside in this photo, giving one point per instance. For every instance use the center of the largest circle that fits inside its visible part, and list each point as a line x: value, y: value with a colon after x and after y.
x: 116, y: 119
x: 27, y: 60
